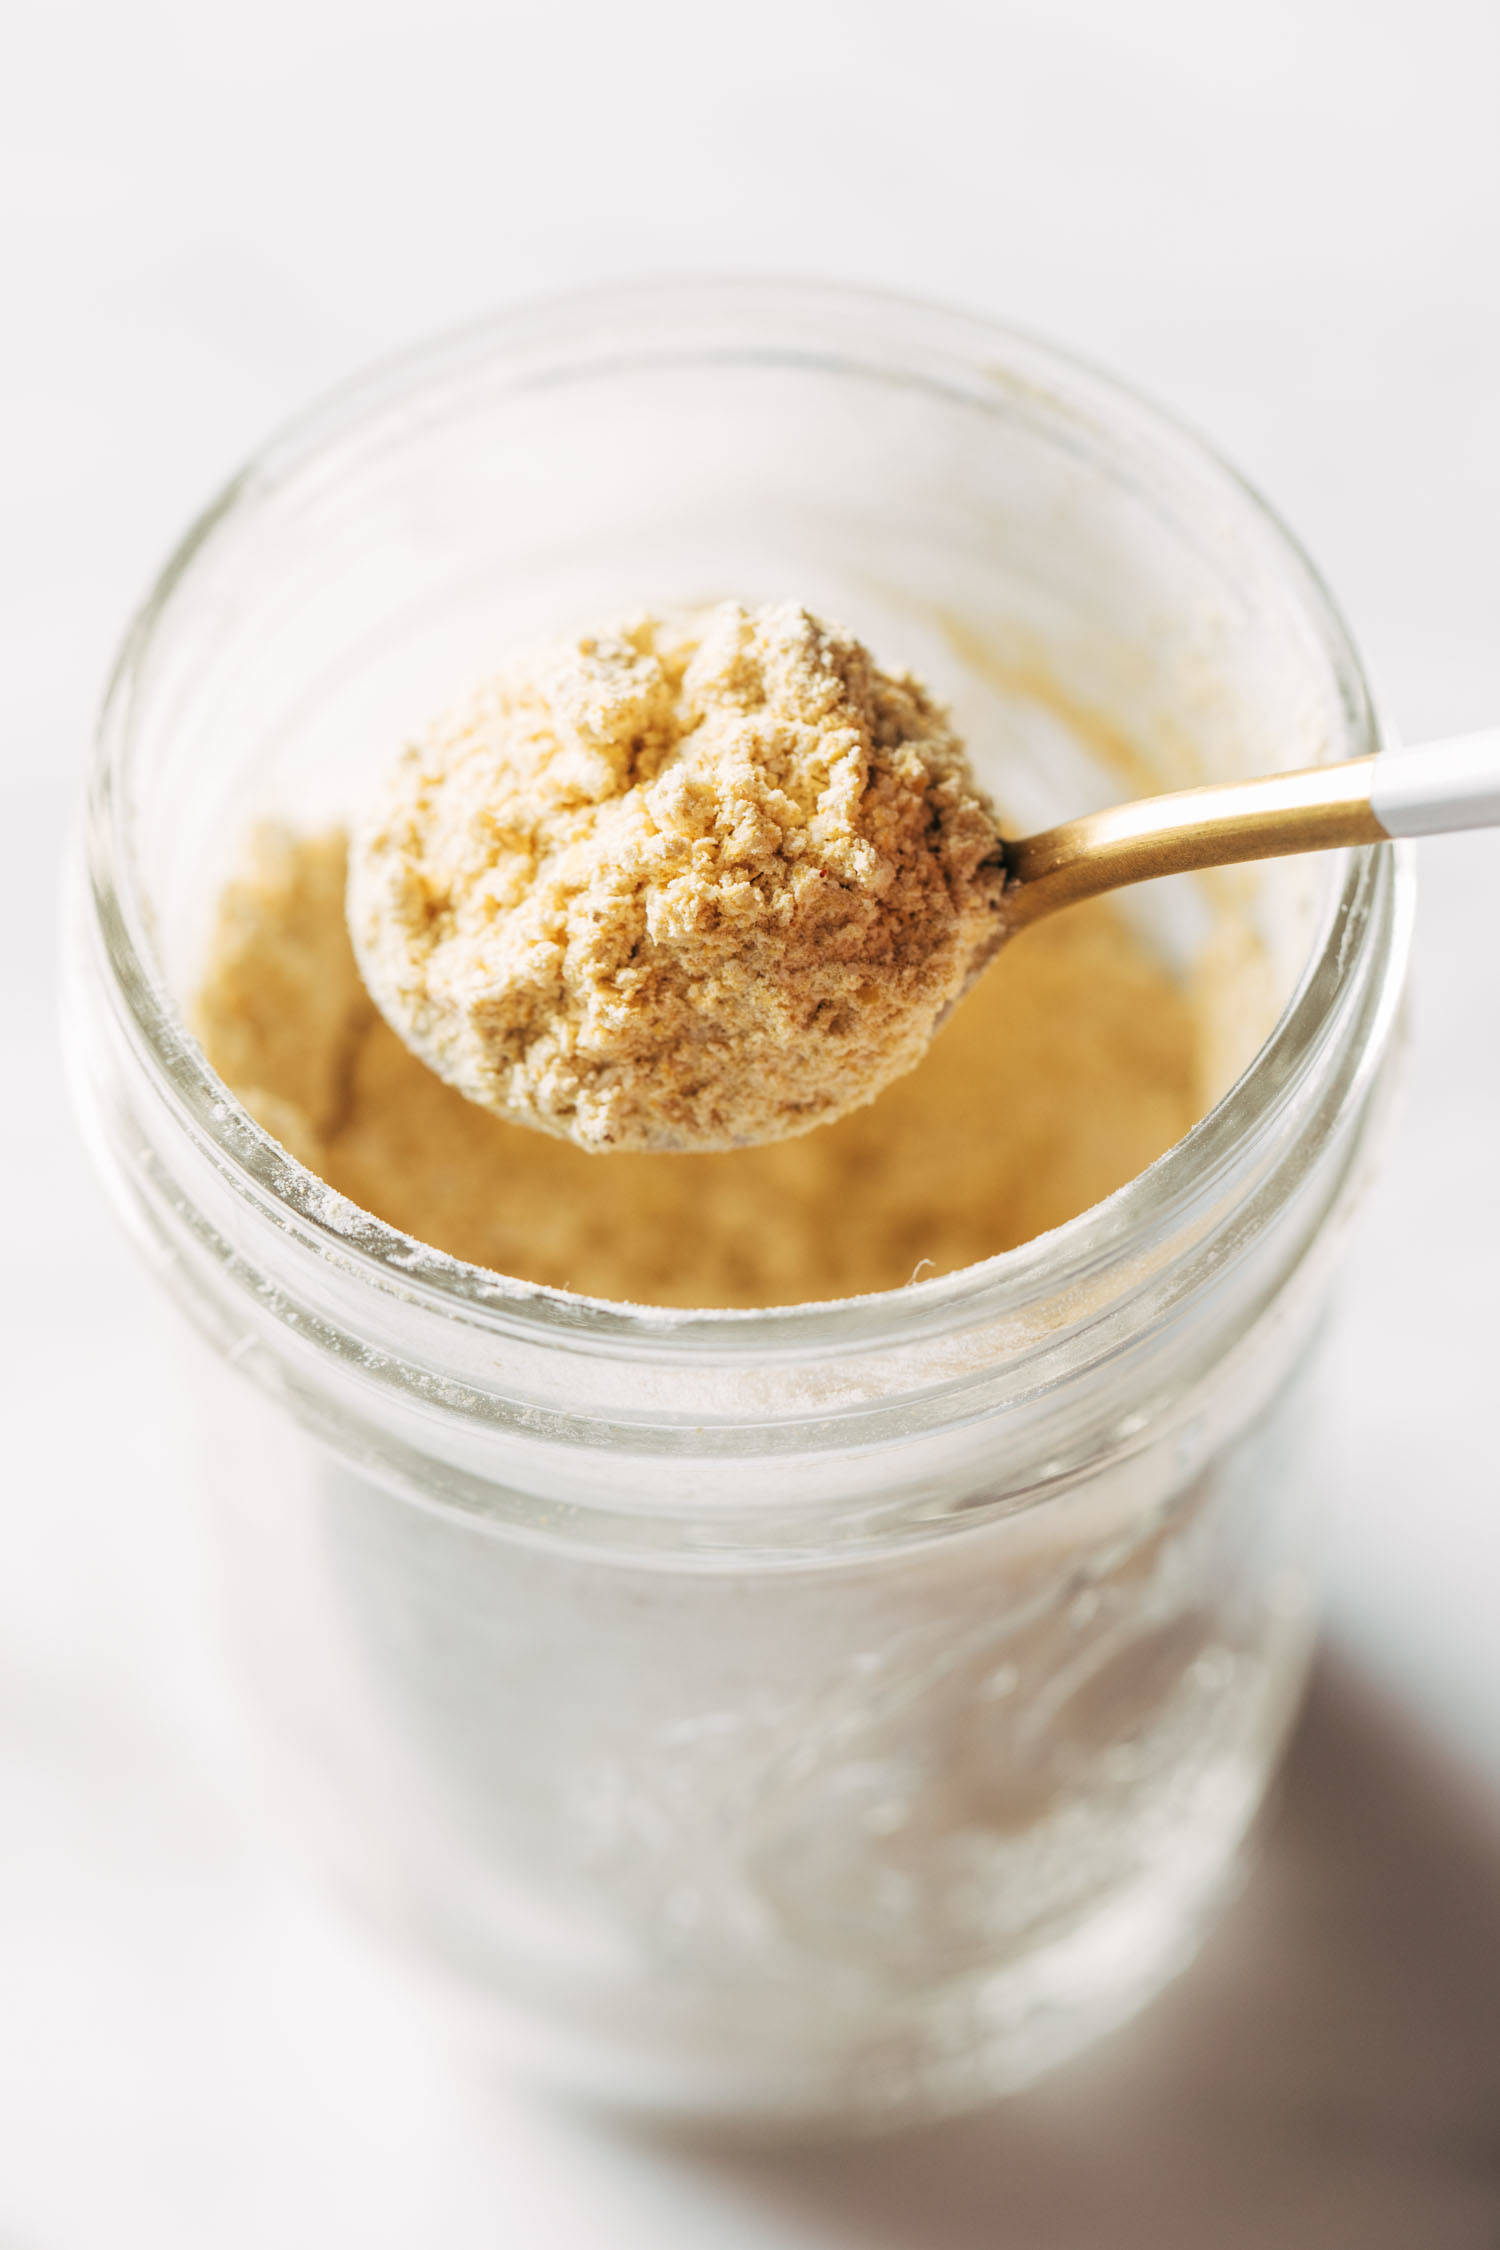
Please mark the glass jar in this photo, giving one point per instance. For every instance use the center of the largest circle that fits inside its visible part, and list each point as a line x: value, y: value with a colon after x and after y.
x: 834, y: 1713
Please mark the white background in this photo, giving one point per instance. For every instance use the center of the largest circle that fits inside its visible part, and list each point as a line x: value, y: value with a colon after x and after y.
x: 1283, y: 218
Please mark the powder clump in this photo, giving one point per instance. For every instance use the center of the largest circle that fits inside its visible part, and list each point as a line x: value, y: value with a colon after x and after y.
x: 704, y: 882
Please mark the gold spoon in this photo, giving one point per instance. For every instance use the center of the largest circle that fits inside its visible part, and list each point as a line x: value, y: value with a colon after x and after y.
x: 1419, y: 791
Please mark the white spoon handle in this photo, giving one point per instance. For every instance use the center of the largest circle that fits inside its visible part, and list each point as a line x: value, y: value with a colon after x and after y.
x: 1436, y: 786
x: 1419, y: 792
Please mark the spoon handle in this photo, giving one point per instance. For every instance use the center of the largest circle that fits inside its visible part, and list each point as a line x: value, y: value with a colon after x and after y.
x: 1401, y: 792
x: 1437, y: 786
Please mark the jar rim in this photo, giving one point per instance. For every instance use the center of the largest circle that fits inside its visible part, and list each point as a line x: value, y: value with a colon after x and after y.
x: 1153, y: 1204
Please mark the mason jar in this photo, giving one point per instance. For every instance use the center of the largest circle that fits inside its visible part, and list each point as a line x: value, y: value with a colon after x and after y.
x: 822, y: 1715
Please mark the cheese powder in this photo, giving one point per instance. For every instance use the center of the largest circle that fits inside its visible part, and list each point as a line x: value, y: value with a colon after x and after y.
x: 705, y: 882
x: 1075, y: 1062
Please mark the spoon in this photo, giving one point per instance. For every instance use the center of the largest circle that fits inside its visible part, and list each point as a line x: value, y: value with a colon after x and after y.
x: 1419, y: 791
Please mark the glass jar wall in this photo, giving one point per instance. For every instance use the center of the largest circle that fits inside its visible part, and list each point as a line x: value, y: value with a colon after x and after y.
x: 839, y: 1712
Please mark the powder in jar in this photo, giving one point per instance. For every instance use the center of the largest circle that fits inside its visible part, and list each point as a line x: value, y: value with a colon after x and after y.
x: 704, y: 882
x: 1075, y: 1062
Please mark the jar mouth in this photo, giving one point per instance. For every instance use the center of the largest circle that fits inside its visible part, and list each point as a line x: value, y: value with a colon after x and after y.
x: 1153, y: 1207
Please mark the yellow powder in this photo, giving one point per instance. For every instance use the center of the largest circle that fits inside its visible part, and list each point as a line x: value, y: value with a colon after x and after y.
x: 702, y: 883
x: 1072, y: 1065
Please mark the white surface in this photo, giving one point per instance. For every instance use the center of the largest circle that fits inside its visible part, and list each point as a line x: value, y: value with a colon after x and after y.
x: 1432, y: 788
x: 1284, y: 219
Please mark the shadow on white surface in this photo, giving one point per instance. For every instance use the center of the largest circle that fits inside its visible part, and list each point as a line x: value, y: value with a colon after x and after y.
x: 1327, y: 2075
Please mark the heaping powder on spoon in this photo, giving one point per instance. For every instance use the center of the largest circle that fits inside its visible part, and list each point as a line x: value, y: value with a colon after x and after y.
x: 702, y: 883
